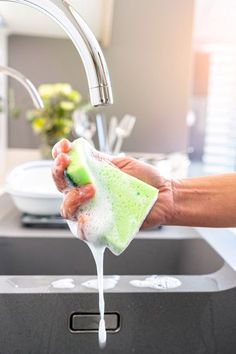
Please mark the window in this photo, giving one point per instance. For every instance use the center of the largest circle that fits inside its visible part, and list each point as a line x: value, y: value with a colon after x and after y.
x: 220, y: 135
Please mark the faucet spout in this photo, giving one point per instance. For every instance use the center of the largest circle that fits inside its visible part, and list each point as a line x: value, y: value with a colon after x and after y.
x: 26, y: 83
x: 85, y: 42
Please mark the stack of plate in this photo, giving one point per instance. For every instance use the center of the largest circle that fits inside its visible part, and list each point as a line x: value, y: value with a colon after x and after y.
x: 32, y: 188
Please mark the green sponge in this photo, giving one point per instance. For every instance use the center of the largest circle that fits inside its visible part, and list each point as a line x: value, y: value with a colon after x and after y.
x: 121, y: 202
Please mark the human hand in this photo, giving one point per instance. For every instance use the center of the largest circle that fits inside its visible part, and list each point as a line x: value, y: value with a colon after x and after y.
x: 160, y: 213
x: 163, y: 208
x: 73, y: 197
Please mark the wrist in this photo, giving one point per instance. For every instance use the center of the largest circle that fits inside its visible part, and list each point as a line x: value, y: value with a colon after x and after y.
x: 165, y: 205
x: 171, y: 217
x: 185, y: 208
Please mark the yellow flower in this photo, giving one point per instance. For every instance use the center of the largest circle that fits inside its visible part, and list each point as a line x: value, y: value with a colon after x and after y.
x: 60, y: 100
x: 38, y: 124
x: 59, y: 90
x: 75, y: 96
x: 46, y: 91
x: 63, y: 89
x: 67, y: 106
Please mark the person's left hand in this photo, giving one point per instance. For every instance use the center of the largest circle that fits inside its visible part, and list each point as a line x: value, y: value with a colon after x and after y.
x: 73, y: 197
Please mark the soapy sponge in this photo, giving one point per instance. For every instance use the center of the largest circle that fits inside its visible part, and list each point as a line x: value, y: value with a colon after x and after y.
x: 121, y: 202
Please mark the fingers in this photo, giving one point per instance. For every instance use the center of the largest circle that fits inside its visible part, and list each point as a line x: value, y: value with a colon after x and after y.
x: 74, y: 199
x: 59, y: 152
x: 60, y: 164
x: 63, y: 146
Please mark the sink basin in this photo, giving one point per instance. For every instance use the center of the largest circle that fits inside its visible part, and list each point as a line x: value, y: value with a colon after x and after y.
x: 198, y: 316
x: 61, y: 256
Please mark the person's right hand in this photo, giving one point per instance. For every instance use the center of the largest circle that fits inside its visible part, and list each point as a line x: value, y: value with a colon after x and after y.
x: 163, y: 209
x: 160, y: 214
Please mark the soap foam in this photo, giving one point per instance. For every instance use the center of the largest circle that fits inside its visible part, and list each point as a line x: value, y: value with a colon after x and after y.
x: 96, y: 215
x: 65, y: 283
x: 157, y: 282
x: 108, y: 283
x: 97, y: 220
x: 113, y: 217
x: 120, y: 205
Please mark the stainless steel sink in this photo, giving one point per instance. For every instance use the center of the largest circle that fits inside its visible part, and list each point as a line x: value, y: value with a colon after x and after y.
x: 199, y: 316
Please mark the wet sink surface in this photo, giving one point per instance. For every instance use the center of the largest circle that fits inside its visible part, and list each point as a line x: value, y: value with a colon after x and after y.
x: 61, y: 256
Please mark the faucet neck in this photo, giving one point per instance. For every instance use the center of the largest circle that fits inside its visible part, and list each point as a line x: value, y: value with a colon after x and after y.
x: 85, y: 42
x: 26, y: 83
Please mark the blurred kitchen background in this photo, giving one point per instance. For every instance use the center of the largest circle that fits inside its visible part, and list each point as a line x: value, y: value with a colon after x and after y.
x: 172, y: 66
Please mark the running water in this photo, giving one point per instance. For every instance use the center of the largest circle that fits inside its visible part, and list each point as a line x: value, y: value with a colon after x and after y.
x: 98, y: 254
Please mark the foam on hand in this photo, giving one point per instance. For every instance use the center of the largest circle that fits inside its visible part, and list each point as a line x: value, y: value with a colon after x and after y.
x: 121, y: 202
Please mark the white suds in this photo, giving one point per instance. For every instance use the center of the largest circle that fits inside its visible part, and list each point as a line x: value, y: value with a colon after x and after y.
x: 157, y: 282
x: 65, y: 283
x: 108, y: 283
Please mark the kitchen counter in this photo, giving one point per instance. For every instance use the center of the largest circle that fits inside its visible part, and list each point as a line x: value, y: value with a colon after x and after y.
x: 10, y: 225
x: 222, y: 240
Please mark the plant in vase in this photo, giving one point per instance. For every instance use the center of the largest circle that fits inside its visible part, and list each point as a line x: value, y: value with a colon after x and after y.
x: 55, y: 120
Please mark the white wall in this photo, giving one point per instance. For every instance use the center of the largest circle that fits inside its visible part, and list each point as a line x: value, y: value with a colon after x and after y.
x: 3, y: 93
x: 215, y: 20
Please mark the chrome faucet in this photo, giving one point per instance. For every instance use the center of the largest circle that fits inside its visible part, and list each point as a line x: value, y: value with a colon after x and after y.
x: 25, y: 82
x: 85, y: 42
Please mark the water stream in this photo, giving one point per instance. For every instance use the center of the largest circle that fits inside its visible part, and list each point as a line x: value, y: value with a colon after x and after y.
x: 98, y: 254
